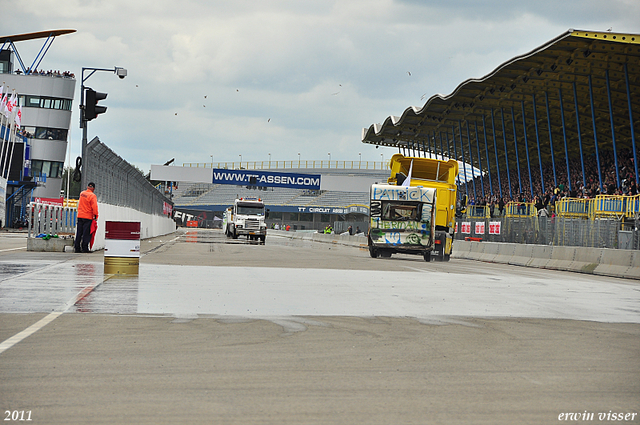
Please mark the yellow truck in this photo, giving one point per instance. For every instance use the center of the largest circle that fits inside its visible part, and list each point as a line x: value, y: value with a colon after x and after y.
x: 414, y: 213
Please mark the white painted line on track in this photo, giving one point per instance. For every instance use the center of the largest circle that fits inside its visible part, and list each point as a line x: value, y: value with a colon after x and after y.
x: 12, y: 249
x: 5, y: 345
x: 8, y: 343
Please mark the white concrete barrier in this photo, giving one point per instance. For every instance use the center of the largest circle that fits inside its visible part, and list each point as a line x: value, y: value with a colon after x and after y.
x: 618, y: 262
x: 522, y: 255
x: 600, y: 261
x: 489, y: 252
x: 150, y: 225
x: 540, y: 255
x: 586, y: 259
x: 561, y: 258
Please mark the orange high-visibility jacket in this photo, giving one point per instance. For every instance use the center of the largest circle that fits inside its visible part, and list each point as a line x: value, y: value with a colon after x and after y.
x: 88, y: 205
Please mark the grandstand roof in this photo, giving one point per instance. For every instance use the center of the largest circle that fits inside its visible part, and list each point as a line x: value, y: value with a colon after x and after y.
x: 573, y: 57
x: 34, y: 35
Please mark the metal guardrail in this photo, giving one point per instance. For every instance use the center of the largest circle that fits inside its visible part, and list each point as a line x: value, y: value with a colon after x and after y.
x: 520, y: 209
x: 609, y: 206
x: 602, y: 206
x: 633, y: 207
x: 478, y: 211
x: 573, y: 208
x: 50, y: 219
x: 280, y: 165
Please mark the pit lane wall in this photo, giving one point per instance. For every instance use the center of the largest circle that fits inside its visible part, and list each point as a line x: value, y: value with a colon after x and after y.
x: 151, y: 225
x: 599, y: 261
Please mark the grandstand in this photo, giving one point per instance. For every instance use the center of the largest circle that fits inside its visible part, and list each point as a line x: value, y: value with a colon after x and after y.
x: 303, y: 209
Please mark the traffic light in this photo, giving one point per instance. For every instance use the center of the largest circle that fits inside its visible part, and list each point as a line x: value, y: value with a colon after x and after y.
x: 91, y: 107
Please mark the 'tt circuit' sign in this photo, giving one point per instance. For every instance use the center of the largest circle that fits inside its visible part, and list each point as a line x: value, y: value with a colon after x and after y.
x: 266, y: 179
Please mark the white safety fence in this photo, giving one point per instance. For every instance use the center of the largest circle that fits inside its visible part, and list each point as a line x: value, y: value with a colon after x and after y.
x: 50, y: 219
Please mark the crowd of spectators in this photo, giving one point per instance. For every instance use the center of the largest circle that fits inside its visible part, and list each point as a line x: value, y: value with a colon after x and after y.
x: 23, y: 132
x: 558, y: 188
x: 50, y: 73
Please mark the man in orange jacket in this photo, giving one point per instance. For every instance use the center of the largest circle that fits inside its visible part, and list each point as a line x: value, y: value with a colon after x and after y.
x: 87, y: 212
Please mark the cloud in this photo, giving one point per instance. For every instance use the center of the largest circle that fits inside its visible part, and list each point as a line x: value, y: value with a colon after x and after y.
x: 283, y: 60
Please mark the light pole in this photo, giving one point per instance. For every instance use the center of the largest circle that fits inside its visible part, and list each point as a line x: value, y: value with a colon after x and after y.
x: 240, y: 161
x: 121, y: 73
x: 298, y: 159
x: 269, y: 160
x: 211, y: 160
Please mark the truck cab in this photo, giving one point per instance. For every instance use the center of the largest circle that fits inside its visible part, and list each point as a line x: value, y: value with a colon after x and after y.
x: 246, y: 217
x: 414, y: 212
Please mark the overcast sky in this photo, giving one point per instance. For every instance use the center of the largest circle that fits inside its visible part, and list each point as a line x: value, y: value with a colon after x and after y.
x: 282, y: 77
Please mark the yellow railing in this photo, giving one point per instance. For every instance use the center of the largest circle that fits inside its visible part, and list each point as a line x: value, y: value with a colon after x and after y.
x: 521, y: 209
x: 280, y: 165
x: 573, y: 208
x: 602, y: 206
x: 478, y: 211
x: 633, y: 206
x: 609, y: 206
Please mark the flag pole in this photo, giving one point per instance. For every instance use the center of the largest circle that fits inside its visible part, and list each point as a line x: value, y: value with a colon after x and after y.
x: 12, y: 138
x: 6, y: 134
x: 2, y: 131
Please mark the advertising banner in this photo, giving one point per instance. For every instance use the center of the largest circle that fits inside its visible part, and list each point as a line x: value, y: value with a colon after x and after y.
x: 494, y: 228
x: 479, y: 228
x: 465, y: 227
x: 50, y: 201
x: 266, y: 179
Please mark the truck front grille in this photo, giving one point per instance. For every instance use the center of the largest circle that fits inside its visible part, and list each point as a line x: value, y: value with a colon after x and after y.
x: 252, y: 225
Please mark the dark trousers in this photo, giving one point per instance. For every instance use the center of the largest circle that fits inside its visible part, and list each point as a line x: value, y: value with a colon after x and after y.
x: 83, y: 235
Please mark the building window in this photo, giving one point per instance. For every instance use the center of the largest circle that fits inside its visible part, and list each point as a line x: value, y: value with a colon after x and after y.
x: 45, y: 133
x: 306, y: 217
x: 51, y: 169
x: 44, y: 102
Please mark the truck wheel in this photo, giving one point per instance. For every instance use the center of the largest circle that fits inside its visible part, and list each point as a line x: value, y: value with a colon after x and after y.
x: 373, y: 252
x: 263, y: 238
x: 427, y: 256
x: 446, y: 257
x: 235, y: 234
x: 385, y: 254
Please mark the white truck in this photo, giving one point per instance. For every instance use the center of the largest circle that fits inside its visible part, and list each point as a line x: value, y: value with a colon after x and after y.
x: 246, y: 217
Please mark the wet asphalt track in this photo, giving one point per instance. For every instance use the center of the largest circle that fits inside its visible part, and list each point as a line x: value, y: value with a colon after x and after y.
x: 266, y: 327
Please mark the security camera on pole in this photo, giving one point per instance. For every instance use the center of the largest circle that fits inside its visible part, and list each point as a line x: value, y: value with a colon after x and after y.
x: 89, y: 110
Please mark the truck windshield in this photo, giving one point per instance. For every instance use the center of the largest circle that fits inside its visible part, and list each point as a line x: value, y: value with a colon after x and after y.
x: 398, y: 211
x: 250, y: 210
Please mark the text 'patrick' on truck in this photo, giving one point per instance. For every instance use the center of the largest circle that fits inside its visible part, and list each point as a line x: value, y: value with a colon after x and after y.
x: 414, y: 213
x: 246, y: 218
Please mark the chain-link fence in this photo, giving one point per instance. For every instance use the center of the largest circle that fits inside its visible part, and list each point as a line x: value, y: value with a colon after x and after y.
x: 119, y: 183
x: 599, y: 233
